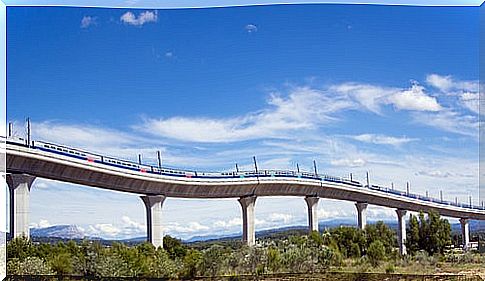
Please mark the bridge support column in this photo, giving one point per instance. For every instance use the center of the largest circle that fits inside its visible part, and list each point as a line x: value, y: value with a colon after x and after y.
x: 247, y: 206
x: 465, y: 233
x: 401, y: 231
x: 19, y: 187
x: 361, y: 214
x: 153, y: 205
x: 312, y: 203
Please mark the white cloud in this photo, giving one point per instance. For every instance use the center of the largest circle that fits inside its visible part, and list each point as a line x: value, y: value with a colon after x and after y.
x: 383, y: 139
x: 131, y: 227
x: 466, y: 91
x: 448, y: 83
x: 78, y: 134
x: 347, y: 162
x: 127, y: 228
x: 440, y: 82
x: 463, y: 94
x: 231, y: 223
x: 380, y: 213
x: 414, y: 99
x: 182, y: 229
x: 470, y: 101
x: 369, y: 97
x: 434, y: 173
x: 95, y: 139
x: 42, y: 224
x: 250, y: 28
x: 144, y: 17
x: 304, y: 108
x: 450, y: 121
x: 104, y: 230
x: 40, y: 185
x: 280, y: 217
x: 328, y: 214
x: 372, y: 97
x: 443, y: 174
x: 88, y: 21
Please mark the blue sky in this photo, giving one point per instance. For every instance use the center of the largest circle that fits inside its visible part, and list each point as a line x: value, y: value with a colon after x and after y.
x: 392, y: 90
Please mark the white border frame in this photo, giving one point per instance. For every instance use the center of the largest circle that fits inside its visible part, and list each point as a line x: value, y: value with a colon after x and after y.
x: 161, y: 4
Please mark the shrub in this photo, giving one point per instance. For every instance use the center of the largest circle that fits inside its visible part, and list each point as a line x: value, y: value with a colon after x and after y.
x: 111, y: 266
x: 29, y: 266
x: 376, y: 252
x: 390, y: 268
x: 61, y: 264
x: 162, y: 266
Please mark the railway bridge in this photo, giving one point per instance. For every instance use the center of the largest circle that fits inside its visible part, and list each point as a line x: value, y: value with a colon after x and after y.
x: 27, y: 160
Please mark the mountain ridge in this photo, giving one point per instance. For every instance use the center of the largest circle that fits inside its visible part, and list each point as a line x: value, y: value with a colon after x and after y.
x: 74, y: 232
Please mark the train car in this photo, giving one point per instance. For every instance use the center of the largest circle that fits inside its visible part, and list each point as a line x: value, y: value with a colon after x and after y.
x: 354, y: 183
x: 175, y: 172
x: 127, y: 165
x: 16, y: 141
x: 67, y: 151
x: 215, y: 175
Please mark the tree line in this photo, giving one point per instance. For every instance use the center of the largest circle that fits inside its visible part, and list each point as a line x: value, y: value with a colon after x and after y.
x: 315, y: 252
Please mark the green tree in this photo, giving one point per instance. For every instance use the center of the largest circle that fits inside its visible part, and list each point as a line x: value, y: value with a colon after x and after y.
x: 61, y: 263
x: 325, y: 257
x: 431, y: 234
x: 191, y: 263
x: 376, y: 252
x: 351, y: 242
x: 383, y: 233
x: 274, y: 259
x: 162, y: 266
x: 20, y: 248
x: 315, y: 238
x: 213, y: 260
x: 174, y: 247
x: 137, y: 259
x: 412, y: 239
x: 440, y: 231
x: 108, y: 265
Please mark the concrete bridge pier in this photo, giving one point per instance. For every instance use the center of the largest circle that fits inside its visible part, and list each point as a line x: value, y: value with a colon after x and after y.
x: 19, y: 187
x: 465, y: 233
x: 312, y: 203
x: 247, y: 206
x: 361, y: 214
x: 401, y: 231
x: 153, y: 205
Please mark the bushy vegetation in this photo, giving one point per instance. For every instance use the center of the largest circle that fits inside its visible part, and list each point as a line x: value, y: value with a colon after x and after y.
x: 373, y: 247
x: 296, y: 254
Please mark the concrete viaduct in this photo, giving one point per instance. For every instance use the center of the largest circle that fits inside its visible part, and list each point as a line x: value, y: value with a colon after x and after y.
x: 26, y: 162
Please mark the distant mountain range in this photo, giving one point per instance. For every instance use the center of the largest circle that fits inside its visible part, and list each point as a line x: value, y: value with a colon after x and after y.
x: 58, y: 231
x: 68, y: 232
